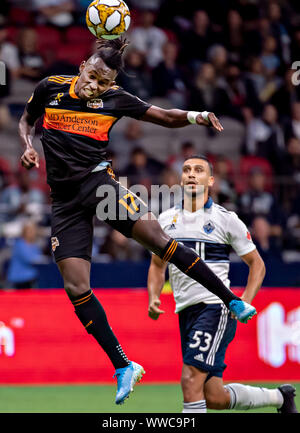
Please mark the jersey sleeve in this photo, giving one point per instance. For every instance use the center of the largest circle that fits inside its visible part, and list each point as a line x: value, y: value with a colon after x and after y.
x: 36, y: 103
x: 239, y: 236
x: 130, y: 105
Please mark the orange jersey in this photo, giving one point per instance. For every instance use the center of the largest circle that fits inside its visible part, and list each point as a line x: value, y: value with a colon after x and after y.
x: 75, y: 131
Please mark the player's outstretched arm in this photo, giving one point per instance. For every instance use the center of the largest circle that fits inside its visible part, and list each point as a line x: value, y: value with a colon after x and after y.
x: 30, y: 157
x: 175, y: 118
x: 156, y: 280
x: 257, y: 272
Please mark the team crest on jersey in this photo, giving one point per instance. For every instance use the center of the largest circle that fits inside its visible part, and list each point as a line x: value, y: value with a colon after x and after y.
x: 209, y: 227
x: 54, y: 243
x: 95, y: 103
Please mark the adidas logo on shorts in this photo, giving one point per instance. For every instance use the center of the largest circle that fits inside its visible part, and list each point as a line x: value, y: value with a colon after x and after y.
x: 199, y: 357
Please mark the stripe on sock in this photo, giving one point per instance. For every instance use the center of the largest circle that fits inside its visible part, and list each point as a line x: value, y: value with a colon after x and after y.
x: 232, y: 396
x: 82, y: 300
x: 166, y: 253
x: 192, y: 265
x: 170, y: 251
x: 195, y: 407
x: 90, y: 322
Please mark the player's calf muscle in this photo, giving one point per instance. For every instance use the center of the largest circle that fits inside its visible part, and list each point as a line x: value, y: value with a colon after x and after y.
x: 150, y: 235
x: 76, y: 275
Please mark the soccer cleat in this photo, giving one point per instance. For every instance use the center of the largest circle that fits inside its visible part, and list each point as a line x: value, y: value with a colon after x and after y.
x: 242, y: 310
x: 127, y: 377
x: 289, y: 393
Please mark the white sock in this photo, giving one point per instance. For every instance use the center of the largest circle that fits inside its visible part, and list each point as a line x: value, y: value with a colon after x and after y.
x: 248, y: 397
x: 195, y: 407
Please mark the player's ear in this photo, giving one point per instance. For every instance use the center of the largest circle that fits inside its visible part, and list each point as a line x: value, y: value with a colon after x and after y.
x: 211, y: 181
x: 82, y: 66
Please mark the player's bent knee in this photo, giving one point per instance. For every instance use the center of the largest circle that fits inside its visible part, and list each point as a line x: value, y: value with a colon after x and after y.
x: 192, y: 383
x: 75, y: 289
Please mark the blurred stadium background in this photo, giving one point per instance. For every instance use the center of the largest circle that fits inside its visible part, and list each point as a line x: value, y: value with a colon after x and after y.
x: 231, y: 57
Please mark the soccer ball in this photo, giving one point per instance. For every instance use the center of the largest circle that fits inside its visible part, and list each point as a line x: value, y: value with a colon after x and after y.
x: 108, y: 19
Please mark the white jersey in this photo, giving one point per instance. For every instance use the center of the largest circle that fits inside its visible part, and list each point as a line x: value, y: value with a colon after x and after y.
x: 211, y: 232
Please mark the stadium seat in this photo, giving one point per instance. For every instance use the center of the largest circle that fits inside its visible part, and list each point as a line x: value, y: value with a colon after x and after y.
x: 37, y: 176
x: 6, y: 174
x: 171, y: 35
x: 18, y: 16
x: 67, y: 53
x: 246, y: 164
x: 229, y: 163
x: 12, y: 34
x: 79, y: 35
x: 48, y: 37
x: 5, y: 165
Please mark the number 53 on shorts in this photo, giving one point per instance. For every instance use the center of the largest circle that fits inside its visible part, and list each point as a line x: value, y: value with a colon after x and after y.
x: 202, y: 341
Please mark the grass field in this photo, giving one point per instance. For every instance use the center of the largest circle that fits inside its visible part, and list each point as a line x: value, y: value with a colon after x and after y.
x: 99, y: 399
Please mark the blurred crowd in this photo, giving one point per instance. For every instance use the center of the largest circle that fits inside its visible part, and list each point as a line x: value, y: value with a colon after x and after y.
x: 234, y: 58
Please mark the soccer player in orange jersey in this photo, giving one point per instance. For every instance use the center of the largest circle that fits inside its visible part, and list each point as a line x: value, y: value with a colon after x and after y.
x: 79, y: 113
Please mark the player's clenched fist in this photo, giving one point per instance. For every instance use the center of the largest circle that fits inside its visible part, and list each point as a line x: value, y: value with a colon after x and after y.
x: 30, y: 158
x: 153, y: 309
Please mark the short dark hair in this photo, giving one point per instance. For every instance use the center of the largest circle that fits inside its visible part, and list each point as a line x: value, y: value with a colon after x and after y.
x: 137, y: 150
x: 111, y: 52
x: 199, y: 156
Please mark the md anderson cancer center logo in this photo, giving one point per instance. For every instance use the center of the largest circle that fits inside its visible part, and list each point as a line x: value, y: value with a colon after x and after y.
x: 93, y: 125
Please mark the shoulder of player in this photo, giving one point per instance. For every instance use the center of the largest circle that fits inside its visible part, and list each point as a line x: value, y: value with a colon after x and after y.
x: 222, y: 212
x: 59, y: 80
x: 225, y: 215
x: 118, y: 91
x: 221, y: 209
x: 115, y: 90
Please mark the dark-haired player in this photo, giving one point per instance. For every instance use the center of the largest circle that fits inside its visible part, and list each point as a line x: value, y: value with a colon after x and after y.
x: 206, y: 326
x: 79, y: 113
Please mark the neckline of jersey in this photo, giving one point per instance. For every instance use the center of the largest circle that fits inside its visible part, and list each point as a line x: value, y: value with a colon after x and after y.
x: 207, y: 205
x: 72, y: 88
